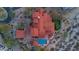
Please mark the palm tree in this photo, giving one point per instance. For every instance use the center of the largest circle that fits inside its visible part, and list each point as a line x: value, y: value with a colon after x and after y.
x: 57, y: 22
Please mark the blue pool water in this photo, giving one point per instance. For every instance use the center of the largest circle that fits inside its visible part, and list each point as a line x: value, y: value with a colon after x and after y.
x: 42, y: 41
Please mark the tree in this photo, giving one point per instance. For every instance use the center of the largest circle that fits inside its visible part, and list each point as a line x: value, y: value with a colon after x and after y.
x: 20, y: 26
x: 12, y: 14
x: 77, y: 45
x: 28, y: 11
x: 4, y: 28
x: 3, y: 14
x: 57, y: 22
x: 9, y: 42
x: 65, y: 34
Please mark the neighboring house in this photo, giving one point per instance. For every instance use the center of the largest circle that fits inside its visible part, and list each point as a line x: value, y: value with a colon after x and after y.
x: 20, y: 34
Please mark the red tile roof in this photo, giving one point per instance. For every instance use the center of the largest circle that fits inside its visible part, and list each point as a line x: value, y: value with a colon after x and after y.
x: 35, y: 43
x: 20, y: 34
x: 44, y: 22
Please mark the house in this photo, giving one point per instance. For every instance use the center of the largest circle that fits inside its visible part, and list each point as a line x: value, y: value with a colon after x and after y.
x: 42, y: 24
